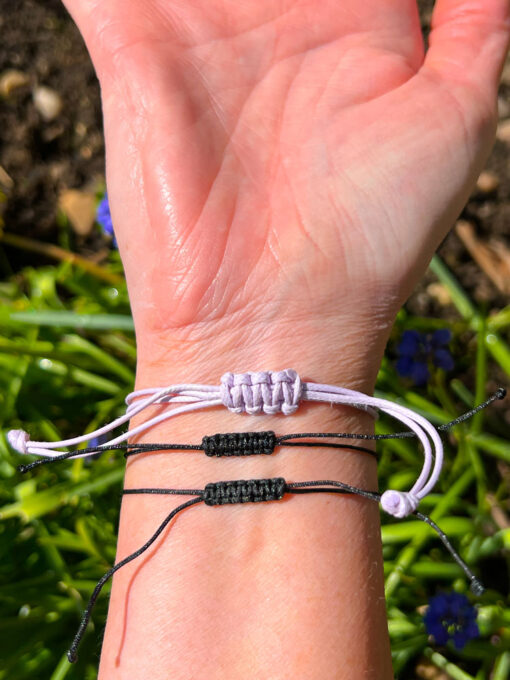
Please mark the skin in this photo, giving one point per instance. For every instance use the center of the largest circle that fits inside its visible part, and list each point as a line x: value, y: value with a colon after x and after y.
x: 279, y: 175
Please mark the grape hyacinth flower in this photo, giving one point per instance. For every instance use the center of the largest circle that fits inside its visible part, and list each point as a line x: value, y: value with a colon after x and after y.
x: 97, y: 441
x: 104, y: 218
x: 92, y: 444
x: 450, y: 616
x: 419, y: 351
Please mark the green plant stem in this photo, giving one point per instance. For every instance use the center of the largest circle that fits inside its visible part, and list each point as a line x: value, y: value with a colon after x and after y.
x: 65, y: 319
x: 502, y: 667
x: 495, y: 344
x: 442, y: 662
x: 62, y: 669
x: 57, y: 253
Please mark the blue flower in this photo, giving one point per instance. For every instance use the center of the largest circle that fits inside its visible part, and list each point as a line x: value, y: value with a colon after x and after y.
x: 418, y: 351
x: 104, y: 218
x: 96, y: 442
x: 450, y: 616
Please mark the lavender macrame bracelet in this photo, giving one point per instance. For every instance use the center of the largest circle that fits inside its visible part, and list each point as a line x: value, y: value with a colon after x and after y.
x: 254, y: 443
x: 268, y: 392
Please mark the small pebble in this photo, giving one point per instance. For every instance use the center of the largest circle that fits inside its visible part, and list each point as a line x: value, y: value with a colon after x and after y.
x: 440, y: 293
x: 47, y: 102
x: 505, y: 76
x: 80, y: 129
x: 5, y: 179
x: 503, y: 108
x: 12, y: 80
x: 80, y: 208
x: 503, y: 131
x: 488, y: 182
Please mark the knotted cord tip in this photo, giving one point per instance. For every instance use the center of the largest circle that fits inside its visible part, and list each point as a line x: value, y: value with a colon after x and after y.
x: 72, y: 656
x: 477, y: 587
x: 399, y: 503
x: 500, y: 393
x: 18, y: 439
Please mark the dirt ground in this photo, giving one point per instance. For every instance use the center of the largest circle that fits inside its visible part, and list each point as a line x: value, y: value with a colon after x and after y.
x: 41, y: 158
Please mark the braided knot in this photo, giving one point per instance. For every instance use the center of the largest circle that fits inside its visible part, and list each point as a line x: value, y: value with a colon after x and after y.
x: 268, y: 391
x: 18, y: 439
x: 399, y: 503
x: 239, y: 444
x: 244, y: 491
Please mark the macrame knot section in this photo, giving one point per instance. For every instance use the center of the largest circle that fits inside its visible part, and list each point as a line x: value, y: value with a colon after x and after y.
x: 239, y: 444
x: 244, y: 491
x: 268, y: 392
x: 399, y: 503
x: 18, y: 439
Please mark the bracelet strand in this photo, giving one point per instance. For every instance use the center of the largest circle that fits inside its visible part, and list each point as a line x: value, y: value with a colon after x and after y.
x: 395, y: 502
x: 248, y: 491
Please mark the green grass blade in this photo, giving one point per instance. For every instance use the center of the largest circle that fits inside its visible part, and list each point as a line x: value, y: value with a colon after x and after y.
x: 442, y: 662
x: 495, y: 344
x: 65, y: 319
x: 502, y: 667
x: 62, y: 668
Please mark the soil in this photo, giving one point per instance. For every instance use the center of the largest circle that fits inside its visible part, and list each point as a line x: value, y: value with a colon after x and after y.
x: 41, y: 158
x: 44, y: 157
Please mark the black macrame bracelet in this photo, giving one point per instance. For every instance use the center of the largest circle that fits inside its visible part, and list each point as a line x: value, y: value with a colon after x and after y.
x: 244, y: 491
x: 248, y: 491
x: 217, y: 445
x: 240, y: 444
x: 258, y: 443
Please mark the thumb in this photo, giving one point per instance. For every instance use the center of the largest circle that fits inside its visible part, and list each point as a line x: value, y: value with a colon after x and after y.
x: 88, y: 15
x: 468, y: 45
x: 107, y: 27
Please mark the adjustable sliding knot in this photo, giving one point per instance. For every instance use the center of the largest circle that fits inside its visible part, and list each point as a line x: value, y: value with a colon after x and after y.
x: 18, y: 439
x: 270, y: 392
x: 244, y: 491
x: 399, y: 503
x: 239, y: 444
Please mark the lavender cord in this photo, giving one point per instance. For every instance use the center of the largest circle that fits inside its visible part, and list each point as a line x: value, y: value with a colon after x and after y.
x: 268, y: 392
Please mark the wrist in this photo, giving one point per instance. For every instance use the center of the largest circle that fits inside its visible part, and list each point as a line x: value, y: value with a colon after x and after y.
x: 309, y: 416
x: 298, y: 554
x: 295, y: 555
x: 336, y: 351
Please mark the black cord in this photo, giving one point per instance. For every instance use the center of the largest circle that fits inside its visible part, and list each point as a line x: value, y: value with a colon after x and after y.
x: 244, y: 491
x: 476, y: 586
x: 500, y: 393
x: 135, y: 449
x: 72, y: 653
x: 249, y: 443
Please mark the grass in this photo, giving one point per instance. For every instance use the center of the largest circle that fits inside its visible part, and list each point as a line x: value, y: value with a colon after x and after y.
x: 67, y: 360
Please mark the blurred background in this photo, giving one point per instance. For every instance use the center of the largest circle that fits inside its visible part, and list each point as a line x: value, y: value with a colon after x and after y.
x: 67, y: 358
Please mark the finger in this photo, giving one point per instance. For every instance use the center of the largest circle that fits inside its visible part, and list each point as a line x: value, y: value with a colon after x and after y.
x: 469, y: 42
x: 90, y: 17
x: 300, y: 26
x: 83, y: 12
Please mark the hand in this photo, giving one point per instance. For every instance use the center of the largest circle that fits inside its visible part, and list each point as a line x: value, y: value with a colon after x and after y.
x: 279, y: 175
x: 281, y: 165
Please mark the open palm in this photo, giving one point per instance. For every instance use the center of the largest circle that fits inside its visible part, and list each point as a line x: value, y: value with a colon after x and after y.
x: 276, y: 161
x: 279, y: 173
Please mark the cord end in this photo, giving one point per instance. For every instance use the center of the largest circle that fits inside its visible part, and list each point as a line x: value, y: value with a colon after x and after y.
x: 400, y: 504
x: 18, y: 440
x: 22, y: 468
x: 500, y: 393
x: 72, y: 657
x: 477, y: 587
